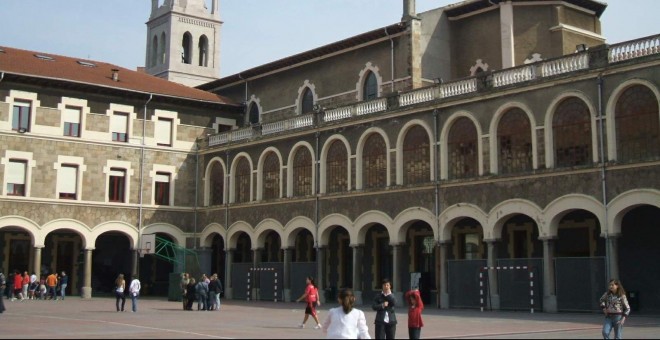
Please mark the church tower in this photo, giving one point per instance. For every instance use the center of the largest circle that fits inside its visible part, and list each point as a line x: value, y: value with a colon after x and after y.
x: 183, y: 41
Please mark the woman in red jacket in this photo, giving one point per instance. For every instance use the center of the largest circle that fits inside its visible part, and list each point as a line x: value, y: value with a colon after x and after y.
x: 415, y: 308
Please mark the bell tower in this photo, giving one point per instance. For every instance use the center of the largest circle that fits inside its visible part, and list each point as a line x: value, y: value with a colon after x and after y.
x: 183, y: 41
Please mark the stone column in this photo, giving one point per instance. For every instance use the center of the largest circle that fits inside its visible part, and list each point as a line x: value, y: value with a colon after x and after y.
x: 229, y: 259
x: 549, y: 295
x: 135, y: 258
x: 320, y: 273
x: 357, y: 273
x: 87, y: 275
x: 613, y: 244
x: 287, y: 275
x: 36, y: 264
x: 493, y: 290
x: 443, y: 290
x: 396, y: 272
x: 255, y: 294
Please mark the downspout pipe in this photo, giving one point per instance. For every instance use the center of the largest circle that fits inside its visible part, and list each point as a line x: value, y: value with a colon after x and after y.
x: 603, y: 173
x: 144, y: 132
x: 436, y: 165
x: 196, y: 192
x: 391, y: 57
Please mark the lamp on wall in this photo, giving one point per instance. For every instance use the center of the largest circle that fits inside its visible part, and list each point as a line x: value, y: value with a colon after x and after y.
x: 581, y: 48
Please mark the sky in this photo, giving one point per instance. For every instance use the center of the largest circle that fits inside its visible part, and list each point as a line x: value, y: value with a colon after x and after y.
x: 255, y: 32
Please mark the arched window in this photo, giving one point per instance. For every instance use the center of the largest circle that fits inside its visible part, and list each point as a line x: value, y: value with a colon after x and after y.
x: 307, y: 104
x: 374, y: 156
x: 337, y: 167
x: 370, y: 89
x: 302, y: 172
x: 254, y: 114
x: 271, y: 177
x: 242, y: 178
x: 571, y: 130
x: 462, y: 157
x: 162, y: 55
x: 154, y: 51
x: 637, y: 125
x: 203, y: 51
x: 416, y: 160
x: 217, y: 186
x: 186, y: 48
x: 514, y: 142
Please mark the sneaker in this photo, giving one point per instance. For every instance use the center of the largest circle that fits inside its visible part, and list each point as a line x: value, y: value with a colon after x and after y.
x: 302, y: 325
x: 318, y: 326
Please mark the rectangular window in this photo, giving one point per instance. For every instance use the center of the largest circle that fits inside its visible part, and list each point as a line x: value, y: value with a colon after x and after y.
x: 119, y: 127
x: 67, y: 182
x: 164, y: 132
x: 72, y: 121
x: 21, y: 117
x: 162, y: 189
x: 16, y: 177
x: 116, y: 185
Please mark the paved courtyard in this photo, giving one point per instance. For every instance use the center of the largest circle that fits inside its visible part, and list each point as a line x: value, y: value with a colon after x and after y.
x: 157, y: 318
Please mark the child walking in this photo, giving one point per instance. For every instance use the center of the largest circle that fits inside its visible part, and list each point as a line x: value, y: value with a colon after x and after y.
x: 415, y: 308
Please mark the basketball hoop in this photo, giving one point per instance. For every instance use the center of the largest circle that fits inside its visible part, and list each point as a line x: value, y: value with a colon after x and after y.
x: 147, y: 244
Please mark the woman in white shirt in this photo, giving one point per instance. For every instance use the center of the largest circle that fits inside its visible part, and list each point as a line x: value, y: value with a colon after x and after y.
x: 346, y: 322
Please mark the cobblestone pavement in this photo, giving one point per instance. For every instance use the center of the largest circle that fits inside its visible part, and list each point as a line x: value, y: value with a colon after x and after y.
x: 156, y: 318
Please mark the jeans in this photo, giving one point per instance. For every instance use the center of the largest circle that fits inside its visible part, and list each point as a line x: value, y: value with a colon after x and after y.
x: 52, y: 292
x: 120, y: 297
x: 134, y: 298
x: 611, y: 323
x: 385, y: 330
x: 201, y: 302
x: 63, y: 288
x: 414, y: 333
x: 217, y: 301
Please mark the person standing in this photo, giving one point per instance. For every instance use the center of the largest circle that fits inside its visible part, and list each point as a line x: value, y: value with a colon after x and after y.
x: 202, y: 292
x: 415, y: 308
x: 33, y: 286
x: 384, y: 304
x: 18, y: 285
x: 25, y: 284
x: 51, y: 283
x: 64, y: 281
x: 184, y: 288
x: 215, y: 288
x: 616, y: 309
x: 3, y: 285
x: 134, y: 290
x: 311, y: 297
x: 190, y: 293
x: 120, y: 286
x: 346, y: 322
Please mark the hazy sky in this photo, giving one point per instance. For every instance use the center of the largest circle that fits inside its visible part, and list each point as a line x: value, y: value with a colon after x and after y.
x: 254, y: 32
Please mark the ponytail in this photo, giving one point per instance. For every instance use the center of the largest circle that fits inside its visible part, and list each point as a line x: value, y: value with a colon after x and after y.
x: 347, y: 300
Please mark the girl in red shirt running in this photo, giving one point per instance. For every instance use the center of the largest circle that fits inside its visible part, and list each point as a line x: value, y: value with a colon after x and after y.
x: 311, y: 296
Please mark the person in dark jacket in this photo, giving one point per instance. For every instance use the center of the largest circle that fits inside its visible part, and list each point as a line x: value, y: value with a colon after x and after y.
x: 190, y: 293
x: 384, y: 304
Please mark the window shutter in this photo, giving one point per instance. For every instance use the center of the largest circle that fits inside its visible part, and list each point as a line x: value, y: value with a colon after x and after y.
x: 118, y: 123
x: 67, y: 179
x: 72, y: 115
x: 163, y: 178
x: 164, y: 132
x: 16, y: 172
x: 117, y: 173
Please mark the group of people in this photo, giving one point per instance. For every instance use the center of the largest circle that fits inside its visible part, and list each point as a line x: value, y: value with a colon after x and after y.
x: 133, y: 291
x: 206, y: 292
x: 24, y: 286
x: 347, y: 322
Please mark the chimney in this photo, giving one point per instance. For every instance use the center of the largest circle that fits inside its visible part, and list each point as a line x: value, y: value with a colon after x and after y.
x: 115, y: 74
x: 409, y: 10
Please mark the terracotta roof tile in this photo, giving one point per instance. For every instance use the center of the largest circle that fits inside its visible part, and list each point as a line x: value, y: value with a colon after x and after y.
x: 90, y: 72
